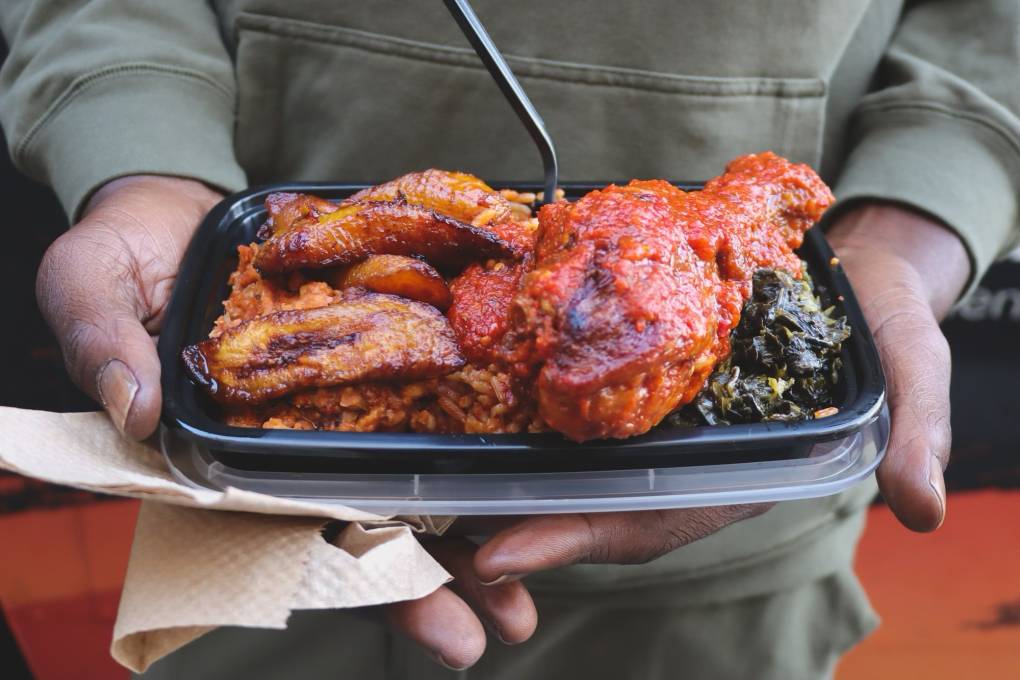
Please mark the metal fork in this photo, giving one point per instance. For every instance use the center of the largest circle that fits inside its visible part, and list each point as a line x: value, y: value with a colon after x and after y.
x: 490, y: 55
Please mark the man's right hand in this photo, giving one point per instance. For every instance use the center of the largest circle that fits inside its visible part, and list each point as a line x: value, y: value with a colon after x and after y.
x: 104, y: 285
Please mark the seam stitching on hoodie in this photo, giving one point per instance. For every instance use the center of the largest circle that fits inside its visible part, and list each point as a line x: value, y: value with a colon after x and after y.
x: 532, y: 68
x: 83, y: 83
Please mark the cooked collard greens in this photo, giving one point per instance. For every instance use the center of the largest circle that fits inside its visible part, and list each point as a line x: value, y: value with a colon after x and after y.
x: 785, y: 360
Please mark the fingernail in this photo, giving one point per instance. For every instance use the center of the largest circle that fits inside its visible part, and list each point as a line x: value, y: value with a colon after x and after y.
x: 438, y: 658
x: 491, y: 627
x: 503, y: 639
x: 505, y: 578
x: 938, y: 487
x: 117, y: 390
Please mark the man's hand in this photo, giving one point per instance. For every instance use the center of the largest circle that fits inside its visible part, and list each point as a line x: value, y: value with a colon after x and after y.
x: 551, y: 541
x: 103, y: 287
x: 448, y: 623
x: 486, y: 586
x: 907, y: 271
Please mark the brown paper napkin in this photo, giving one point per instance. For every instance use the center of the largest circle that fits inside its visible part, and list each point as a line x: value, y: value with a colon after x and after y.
x: 193, y: 569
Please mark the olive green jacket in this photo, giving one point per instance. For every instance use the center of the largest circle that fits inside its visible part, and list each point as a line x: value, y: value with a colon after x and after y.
x: 914, y: 102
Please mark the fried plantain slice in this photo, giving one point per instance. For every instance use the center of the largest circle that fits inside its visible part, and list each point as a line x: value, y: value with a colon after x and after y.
x: 365, y: 337
x: 285, y: 208
x: 457, y: 194
x: 407, y: 277
x: 357, y: 230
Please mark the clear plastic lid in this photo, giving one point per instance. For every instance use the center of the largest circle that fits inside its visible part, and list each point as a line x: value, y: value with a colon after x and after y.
x: 830, y: 468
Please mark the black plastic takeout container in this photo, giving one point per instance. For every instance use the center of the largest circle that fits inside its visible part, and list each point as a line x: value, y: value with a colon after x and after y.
x: 202, y: 286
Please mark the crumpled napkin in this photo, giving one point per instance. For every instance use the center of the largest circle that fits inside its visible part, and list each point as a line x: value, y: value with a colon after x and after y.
x: 193, y: 567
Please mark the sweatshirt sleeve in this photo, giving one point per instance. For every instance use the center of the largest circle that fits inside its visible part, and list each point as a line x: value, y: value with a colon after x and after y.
x: 940, y: 131
x: 93, y: 90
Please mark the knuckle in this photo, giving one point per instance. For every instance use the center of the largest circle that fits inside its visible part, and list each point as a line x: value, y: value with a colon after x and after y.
x: 674, y: 537
x: 901, y: 317
x: 897, y: 305
x: 79, y: 344
x: 597, y: 542
x: 709, y: 520
x: 669, y: 531
x: 682, y: 528
x: 943, y: 457
x: 912, y: 445
x: 941, y: 438
x: 926, y: 394
x: 598, y: 554
x: 918, y: 372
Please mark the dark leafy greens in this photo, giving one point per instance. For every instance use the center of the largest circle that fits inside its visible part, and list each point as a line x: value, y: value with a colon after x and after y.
x: 785, y: 361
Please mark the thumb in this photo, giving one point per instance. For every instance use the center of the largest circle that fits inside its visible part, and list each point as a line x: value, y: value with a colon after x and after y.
x: 916, y: 359
x: 907, y: 269
x: 95, y: 306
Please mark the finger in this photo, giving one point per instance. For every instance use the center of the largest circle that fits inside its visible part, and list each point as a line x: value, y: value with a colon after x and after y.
x: 507, y: 608
x: 552, y: 541
x: 93, y: 307
x: 444, y: 625
x: 917, y: 363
